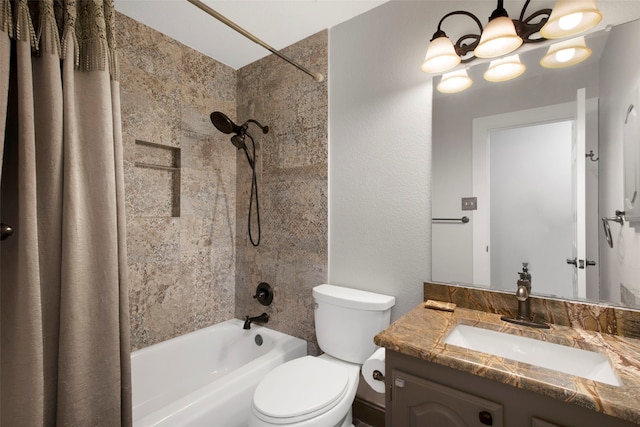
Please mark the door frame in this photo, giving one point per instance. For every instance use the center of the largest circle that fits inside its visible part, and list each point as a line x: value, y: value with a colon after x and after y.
x: 482, y: 127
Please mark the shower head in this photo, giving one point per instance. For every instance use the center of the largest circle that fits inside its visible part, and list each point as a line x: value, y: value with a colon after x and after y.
x: 224, y: 124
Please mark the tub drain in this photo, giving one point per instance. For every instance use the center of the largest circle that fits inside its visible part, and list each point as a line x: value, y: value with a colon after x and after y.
x: 259, y: 339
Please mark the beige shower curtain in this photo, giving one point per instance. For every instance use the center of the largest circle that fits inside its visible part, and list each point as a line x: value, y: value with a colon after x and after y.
x: 64, y: 328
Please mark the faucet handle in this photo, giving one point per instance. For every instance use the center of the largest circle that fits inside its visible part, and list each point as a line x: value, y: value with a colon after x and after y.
x: 525, y: 275
x: 264, y: 293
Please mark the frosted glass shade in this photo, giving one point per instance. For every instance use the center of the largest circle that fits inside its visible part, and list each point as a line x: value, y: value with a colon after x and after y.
x: 498, y: 38
x: 566, y: 53
x: 503, y: 69
x: 455, y: 81
x: 441, y: 56
x: 571, y: 17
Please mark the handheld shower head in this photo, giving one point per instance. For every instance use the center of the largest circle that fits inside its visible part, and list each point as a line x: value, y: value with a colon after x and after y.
x: 224, y: 124
x: 238, y: 141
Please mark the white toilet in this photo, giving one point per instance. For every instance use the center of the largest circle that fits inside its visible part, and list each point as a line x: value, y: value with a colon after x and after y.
x: 319, y: 391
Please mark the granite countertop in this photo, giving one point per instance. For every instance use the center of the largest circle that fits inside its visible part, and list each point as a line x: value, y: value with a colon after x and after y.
x: 421, y: 332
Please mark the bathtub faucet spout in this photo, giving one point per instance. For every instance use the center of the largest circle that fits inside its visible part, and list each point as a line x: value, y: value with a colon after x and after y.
x: 263, y: 318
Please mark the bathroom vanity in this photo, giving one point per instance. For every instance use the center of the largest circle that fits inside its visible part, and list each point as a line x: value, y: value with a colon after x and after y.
x: 434, y: 383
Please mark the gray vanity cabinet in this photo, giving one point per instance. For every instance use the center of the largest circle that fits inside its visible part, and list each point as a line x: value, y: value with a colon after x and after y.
x: 418, y: 402
x: 424, y: 394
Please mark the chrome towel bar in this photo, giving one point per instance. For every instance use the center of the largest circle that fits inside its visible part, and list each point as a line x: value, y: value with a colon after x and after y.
x: 463, y: 220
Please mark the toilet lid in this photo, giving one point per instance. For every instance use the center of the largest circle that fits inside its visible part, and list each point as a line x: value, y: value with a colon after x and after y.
x: 300, y: 389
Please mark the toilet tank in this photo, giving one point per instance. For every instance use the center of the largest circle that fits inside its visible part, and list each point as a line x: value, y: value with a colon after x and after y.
x: 348, y: 319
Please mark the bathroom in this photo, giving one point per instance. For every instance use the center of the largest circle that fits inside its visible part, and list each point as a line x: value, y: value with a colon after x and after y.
x: 345, y: 172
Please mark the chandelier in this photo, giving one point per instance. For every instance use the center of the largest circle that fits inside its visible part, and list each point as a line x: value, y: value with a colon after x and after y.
x: 502, y: 36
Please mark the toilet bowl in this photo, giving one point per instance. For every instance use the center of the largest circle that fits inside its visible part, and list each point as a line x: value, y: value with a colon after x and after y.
x: 306, y: 392
x: 319, y: 391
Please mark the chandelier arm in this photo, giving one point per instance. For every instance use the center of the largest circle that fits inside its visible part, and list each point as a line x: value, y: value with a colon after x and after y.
x: 462, y: 48
x: 526, y: 29
x: 524, y: 8
x: 457, y: 12
x: 466, y: 45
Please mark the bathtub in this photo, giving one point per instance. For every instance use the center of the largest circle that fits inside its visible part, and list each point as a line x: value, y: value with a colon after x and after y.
x: 207, y: 377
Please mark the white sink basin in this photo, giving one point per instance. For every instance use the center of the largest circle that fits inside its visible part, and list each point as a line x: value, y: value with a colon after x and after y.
x: 569, y: 360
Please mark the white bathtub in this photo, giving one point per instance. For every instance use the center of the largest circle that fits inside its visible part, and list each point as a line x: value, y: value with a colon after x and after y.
x: 207, y: 377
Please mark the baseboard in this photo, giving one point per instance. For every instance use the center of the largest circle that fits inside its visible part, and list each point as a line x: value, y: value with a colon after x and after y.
x: 368, y: 412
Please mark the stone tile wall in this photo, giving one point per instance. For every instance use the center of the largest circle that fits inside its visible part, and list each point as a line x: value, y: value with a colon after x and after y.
x: 293, y: 190
x: 186, y: 226
x: 181, y: 223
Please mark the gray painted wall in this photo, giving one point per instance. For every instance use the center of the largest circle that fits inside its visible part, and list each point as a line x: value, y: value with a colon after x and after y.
x: 380, y: 152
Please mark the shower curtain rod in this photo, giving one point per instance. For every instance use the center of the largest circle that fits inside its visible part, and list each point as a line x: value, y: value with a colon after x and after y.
x: 316, y: 76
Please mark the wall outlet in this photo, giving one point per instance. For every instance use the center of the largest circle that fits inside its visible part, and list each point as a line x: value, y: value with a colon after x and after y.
x: 469, y: 203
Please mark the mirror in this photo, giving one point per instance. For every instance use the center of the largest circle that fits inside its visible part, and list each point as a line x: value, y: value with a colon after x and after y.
x: 630, y: 135
x: 541, y: 196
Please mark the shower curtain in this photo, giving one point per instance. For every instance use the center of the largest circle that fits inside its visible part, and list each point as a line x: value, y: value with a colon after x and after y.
x: 64, y: 328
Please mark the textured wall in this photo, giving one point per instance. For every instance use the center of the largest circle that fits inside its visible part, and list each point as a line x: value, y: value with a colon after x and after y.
x: 181, y: 268
x: 292, y: 165
x: 380, y: 153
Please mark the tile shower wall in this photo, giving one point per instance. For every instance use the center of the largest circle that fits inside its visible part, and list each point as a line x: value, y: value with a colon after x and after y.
x: 292, y: 165
x: 181, y: 221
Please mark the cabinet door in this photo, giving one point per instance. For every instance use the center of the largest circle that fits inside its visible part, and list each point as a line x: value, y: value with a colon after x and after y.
x: 537, y: 422
x: 417, y: 402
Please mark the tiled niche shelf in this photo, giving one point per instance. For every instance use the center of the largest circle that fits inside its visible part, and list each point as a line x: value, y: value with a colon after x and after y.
x: 158, y: 177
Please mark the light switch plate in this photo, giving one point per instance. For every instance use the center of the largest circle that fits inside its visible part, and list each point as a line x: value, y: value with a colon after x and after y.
x: 469, y: 203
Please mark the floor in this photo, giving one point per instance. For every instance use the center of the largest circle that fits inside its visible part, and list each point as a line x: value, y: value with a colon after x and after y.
x: 358, y: 423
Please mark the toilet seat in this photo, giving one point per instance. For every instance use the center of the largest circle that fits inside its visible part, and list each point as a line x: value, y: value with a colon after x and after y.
x: 299, y: 390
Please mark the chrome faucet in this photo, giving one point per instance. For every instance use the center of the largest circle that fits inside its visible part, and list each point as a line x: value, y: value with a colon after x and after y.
x: 263, y: 318
x: 523, y: 294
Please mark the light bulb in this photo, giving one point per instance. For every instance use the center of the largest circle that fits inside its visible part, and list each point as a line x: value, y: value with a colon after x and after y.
x: 571, y: 17
x: 455, y: 81
x: 565, y: 55
x: 570, y: 21
x: 441, y: 56
x: 498, y: 38
x: 504, y: 69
